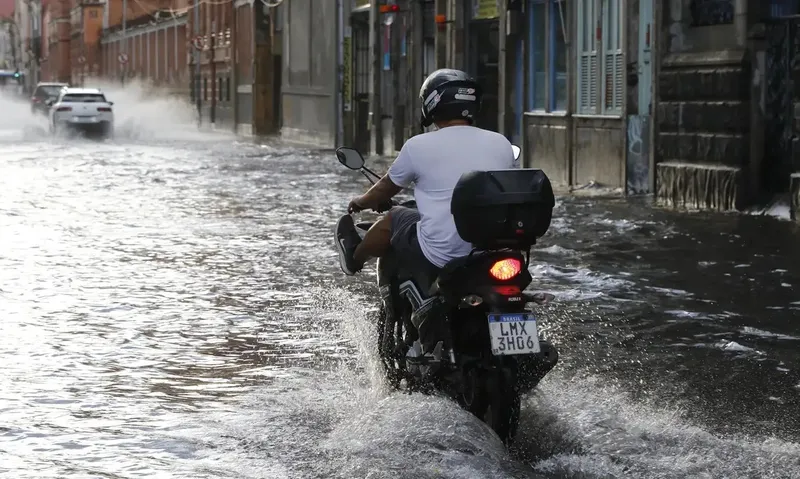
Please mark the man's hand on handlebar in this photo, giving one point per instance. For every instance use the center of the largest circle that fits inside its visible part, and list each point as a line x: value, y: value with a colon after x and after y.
x: 358, y: 204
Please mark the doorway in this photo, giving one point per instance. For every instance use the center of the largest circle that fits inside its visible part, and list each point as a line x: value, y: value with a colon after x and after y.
x: 483, y: 60
x: 361, y: 80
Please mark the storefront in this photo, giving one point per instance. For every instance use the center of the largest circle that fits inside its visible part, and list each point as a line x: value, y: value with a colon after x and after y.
x: 578, y: 138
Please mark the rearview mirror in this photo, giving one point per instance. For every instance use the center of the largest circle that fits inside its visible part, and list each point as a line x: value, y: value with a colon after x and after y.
x: 516, y: 151
x: 350, y: 157
x: 111, y: 103
x: 49, y: 102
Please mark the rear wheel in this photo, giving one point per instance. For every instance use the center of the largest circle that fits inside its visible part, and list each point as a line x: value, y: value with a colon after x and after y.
x: 386, y: 349
x: 492, y: 398
x: 503, y: 415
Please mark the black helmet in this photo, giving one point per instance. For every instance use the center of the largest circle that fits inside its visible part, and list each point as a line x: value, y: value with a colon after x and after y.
x: 449, y: 95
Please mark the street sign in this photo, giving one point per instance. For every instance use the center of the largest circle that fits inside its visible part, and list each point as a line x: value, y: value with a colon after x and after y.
x: 81, y: 59
x: 122, y: 58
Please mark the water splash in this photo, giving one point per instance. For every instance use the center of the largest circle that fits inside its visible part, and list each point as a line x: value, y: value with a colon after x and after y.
x: 582, y: 426
x: 18, y: 121
x: 141, y: 110
x: 144, y: 111
x: 698, y: 187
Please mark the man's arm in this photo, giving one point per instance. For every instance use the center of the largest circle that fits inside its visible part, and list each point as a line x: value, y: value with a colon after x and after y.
x: 381, y: 192
x: 401, y: 174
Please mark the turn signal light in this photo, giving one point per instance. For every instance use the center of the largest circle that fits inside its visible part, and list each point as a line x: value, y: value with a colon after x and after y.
x: 505, y: 269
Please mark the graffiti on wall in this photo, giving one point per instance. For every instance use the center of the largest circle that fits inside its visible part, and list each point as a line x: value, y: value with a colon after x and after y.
x: 781, y: 65
x: 637, y: 157
x: 711, y: 12
x: 347, y: 73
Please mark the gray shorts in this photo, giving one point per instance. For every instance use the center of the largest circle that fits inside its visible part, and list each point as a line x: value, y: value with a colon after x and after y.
x: 404, y: 238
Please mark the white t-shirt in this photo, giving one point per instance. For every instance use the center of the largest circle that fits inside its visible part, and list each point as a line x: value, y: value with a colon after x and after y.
x: 434, y: 162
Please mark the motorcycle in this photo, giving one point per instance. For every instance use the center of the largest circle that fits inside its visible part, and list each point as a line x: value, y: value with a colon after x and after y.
x: 468, y: 331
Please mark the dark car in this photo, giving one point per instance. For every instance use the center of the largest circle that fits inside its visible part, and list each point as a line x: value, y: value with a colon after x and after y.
x: 44, y: 92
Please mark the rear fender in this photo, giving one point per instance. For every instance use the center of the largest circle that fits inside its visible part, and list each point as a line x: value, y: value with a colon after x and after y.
x: 473, y: 278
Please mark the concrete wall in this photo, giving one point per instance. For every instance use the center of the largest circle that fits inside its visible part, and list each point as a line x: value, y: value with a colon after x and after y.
x: 310, y: 72
x: 599, y: 152
x: 548, y: 146
x: 702, y: 145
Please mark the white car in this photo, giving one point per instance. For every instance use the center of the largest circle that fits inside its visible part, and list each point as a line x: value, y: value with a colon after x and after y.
x: 82, y: 109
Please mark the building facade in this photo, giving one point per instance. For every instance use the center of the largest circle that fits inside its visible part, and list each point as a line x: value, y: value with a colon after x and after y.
x: 311, y: 100
x: 727, y: 105
x: 146, y: 42
x: 576, y: 83
x: 8, y: 59
x: 211, y: 62
x: 258, y: 62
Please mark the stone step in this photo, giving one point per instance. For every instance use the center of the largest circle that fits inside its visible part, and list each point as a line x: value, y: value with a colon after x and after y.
x: 684, y: 185
x: 704, y: 116
x: 704, y: 84
x: 731, y: 150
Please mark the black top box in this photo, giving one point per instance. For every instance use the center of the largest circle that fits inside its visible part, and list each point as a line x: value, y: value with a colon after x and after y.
x: 503, y: 208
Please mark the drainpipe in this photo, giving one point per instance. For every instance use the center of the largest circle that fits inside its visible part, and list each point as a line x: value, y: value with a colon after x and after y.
x: 124, y: 69
x: 376, y: 110
x: 212, y: 62
x: 234, y: 60
x: 196, y: 55
x: 338, y: 92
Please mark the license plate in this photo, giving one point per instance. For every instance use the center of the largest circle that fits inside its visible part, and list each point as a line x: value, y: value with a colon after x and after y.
x: 513, y: 334
x: 83, y: 119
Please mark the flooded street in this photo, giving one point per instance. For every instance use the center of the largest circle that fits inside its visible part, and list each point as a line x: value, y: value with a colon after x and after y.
x: 172, y: 306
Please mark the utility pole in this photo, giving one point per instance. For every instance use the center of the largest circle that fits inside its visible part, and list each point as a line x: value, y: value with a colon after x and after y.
x: 124, y: 39
x: 395, y: 27
x: 376, y: 47
x: 198, y: 93
x: 212, y: 61
x: 415, y: 63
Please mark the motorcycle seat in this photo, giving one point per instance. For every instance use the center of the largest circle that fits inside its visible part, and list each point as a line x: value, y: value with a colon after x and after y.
x: 455, y: 266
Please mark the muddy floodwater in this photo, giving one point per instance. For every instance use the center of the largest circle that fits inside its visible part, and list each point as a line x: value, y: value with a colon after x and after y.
x: 174, y: 308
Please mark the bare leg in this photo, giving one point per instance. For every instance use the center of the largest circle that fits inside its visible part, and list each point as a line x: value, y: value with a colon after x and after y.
x: 376, y: 242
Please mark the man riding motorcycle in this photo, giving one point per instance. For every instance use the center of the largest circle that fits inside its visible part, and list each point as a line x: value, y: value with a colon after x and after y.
x: 426, y: 238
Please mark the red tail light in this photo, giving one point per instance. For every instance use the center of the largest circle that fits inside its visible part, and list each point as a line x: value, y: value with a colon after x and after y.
x: 505, y: 269
x: 103, y: 108
x: 64, y: 108
x: 35, y: 100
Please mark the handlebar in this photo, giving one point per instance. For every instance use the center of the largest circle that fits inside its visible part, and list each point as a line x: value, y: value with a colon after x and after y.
x: 384, y: 207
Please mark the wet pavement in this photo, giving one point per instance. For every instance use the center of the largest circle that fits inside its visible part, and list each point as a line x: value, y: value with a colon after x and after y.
x: 172, y: 307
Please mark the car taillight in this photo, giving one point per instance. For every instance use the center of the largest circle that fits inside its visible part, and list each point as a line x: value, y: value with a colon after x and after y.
x: 64, y: 108
x: 35, y: 100
x: 103, y: 108
x: 505, y: 269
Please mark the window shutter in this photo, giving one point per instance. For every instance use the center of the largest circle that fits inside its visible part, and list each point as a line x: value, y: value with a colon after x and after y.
x: 587, y: 59
x: 614, y: 67
x: 614, y: 91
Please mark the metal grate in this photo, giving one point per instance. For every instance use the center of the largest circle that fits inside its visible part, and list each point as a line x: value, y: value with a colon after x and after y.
x: 711, y: 12
x: 362, y: 60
